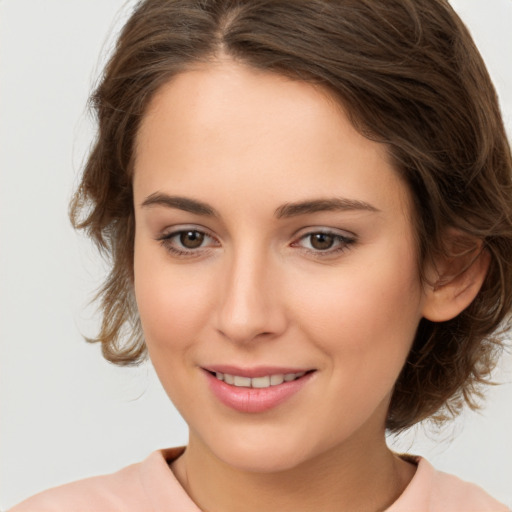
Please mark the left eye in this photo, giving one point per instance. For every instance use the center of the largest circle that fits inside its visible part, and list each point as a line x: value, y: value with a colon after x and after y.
x: 324, y: 242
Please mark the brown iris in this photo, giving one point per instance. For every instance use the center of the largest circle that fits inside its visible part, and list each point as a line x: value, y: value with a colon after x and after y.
x: 191, y: 239
x: 321, y: 241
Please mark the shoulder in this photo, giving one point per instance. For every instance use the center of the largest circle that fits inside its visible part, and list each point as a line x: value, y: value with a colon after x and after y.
x: 449, y: 489
x: 105, y: 492
x: 132, y: 489
x: 435, y: 491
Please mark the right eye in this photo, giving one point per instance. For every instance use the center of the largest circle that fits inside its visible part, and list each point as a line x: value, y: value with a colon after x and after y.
x: 187, y: 242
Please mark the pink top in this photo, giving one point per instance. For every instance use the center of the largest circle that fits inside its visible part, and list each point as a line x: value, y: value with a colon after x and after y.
x: 150, y: 486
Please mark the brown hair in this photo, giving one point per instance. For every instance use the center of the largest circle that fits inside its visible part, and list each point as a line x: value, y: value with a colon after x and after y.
x: 408, y: 73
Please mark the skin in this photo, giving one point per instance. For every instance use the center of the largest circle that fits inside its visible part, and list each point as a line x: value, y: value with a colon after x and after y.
x: 256, y: 291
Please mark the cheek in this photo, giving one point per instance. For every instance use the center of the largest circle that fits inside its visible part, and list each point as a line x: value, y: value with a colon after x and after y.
x: 367, y: 313
x: 171, y: 303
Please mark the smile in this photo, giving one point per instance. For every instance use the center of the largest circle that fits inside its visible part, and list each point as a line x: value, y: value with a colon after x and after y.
x: 256, y: 390
x: 258, y: 382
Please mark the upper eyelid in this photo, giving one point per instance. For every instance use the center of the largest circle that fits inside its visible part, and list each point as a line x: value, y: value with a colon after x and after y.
x: 310, y: 230
x: 339, y: 237
x: 174, y: 231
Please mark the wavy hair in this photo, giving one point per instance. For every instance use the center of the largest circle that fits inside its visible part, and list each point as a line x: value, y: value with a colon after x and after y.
x: 409, y: 75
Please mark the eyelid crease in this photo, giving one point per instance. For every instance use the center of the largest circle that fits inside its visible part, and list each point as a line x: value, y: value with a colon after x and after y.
x: 328, y: 230
x: 183, y: 228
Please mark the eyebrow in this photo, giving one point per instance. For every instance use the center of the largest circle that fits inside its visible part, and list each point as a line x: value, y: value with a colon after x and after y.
x: 322, y: 205
x: 285, y: 211
x: 180, y: 203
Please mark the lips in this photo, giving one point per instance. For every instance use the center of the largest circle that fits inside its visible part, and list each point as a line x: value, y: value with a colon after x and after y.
x: 255, y: 390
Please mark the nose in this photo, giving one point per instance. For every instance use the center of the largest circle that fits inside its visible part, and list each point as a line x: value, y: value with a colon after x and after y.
x: 250, y: 304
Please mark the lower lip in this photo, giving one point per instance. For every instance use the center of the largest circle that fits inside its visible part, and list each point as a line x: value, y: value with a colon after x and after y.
x: 254, y: 400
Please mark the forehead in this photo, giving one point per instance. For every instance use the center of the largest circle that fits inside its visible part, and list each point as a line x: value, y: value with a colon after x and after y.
x: 258, y: 134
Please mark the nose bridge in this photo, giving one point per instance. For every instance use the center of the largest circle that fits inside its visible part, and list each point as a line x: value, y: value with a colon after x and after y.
x: 249, y: 303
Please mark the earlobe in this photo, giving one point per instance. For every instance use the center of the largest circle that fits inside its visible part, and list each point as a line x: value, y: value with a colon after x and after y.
x: 454, y: 282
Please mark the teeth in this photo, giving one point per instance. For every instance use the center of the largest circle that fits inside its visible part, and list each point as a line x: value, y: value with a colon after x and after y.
x: 275, y: 380
x: 242, y: 382
x: 258, y: 382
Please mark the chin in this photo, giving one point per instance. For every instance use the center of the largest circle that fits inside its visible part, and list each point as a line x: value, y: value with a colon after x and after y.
x: 265, y: 455
x: 262, y: 461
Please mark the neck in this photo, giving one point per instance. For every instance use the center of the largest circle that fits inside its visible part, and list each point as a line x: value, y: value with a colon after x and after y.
x: 364, y: 478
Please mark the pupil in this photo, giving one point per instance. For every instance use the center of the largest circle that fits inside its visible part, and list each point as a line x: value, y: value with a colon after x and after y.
x: 191, y: 239
x: 322, y: 241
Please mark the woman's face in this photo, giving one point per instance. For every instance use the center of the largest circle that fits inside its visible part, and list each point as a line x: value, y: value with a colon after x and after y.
x: 273, y: 242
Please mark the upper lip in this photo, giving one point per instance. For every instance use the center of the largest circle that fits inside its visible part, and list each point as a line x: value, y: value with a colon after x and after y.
x: 254, y: 371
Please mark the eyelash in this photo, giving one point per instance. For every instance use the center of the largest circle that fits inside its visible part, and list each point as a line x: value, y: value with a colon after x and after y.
x: 341, y: 243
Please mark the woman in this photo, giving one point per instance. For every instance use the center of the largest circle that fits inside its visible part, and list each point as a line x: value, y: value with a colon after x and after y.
x: 308, y: 209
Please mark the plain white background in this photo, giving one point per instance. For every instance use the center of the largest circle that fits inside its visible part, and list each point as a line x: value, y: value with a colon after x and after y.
x: 65, y: 413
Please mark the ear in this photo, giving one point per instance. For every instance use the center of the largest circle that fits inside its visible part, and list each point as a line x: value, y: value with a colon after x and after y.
x: 455, y: 278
